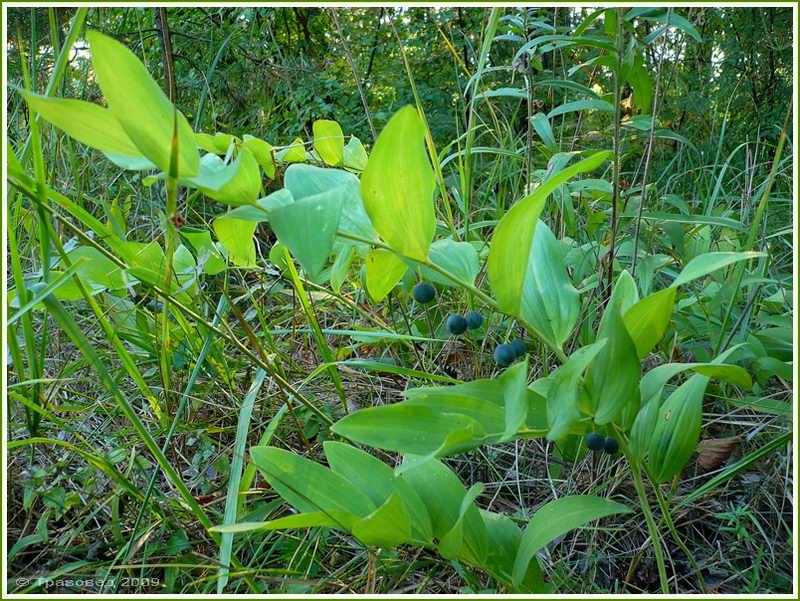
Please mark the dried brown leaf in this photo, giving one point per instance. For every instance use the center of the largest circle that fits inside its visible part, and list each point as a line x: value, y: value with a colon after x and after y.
x: 713, y: 452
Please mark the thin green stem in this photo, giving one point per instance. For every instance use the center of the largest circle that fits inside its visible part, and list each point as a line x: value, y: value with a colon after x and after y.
x: 651, y: 527
x: 488, y: 300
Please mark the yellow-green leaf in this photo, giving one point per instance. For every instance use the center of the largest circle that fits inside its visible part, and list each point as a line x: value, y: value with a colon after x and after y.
x: 384, y: 270
x: 397, y: 186
x: 329, y: 141
x: 141, y: 107
x: 511, y: 264
x: 92, y: 125
x: 647, y: 320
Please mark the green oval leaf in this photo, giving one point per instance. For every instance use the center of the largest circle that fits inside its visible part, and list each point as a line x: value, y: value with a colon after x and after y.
x: 510, y: 266
x: 397, y: 186
x: 141, y: 107
x: 328, y: 141
x: 384, y: 270
x: 555, y: 519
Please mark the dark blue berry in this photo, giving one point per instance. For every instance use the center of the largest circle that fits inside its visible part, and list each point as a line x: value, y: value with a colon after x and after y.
x: 611, y: 446
x: 596, y: 441
x: 520, y: 348
x: 504, y: 355
x: 456, y: 324
x: 424, y: 293
x: 474, y: 320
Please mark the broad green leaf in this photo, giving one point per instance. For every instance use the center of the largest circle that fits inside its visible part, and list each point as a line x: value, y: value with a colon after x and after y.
x: 408, y: 429
x: 97, y: 268
x: 458, y: 258
x: 236, y: 236
x: 568, y: 85
x: 642, y: 429
x: 659, y: 15
x: 206, y: 142
x: 612, y: 380
x: 555, y: 519
x: 146, y: 260
x: 262, y: 151
x: 308, y: 228
x: 549, y: 300
x: 581, y: 105
x: 397, y: 186
x: 504, y: 93
x: 378, y: 481
x: 708, y: 263
x: 509, y: 263
x: 562, y: 398
x: 328, y: 141
x: 490, y: 415
x: 443, y: 494
x: 677, y: 430
x: 647, y: 320
x: 92, y: 125
x: 341, y: 520
x: 452, y: 544
x: 387, y: 526
x: 294, y: 153
x: 236, y: 183
x: 625, y: 293
x: 307, y: 180
x: 642, y: 85
x: 140, y: 106
x: 542, y: 126
x: 654, y: 380
x: 504, y: 538
x: 307, y: 486
x: 355, y: 156
x: 515, y: 392
x: 384, y: 270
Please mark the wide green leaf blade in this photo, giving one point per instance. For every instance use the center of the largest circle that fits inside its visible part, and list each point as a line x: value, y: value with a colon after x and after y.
x: 677, y: 430
x: 387, y: 526
x: 92, y: 125
x: 236, y: 183
x: 555, y: 519
x: 355, y: 156
x: 409, y: 429
x: 263, y: 153
x: 378, y: 481
x: 612, y: 380
x: 333, y: 519
x: 236, y: 236
x: 307, y: 486
x: 710, y: 262
x: 141, y: 107
x: 515, y: 392
x: 443, y: 495
x: 308, y: 180
x: 510, y: 254
x: 647, y: 320
x: 504, y: 539
x: 397, y: 186
x: 458, y: 258
x: 308, y: 228
x: 581, y: 105
x: 452, y: 544
x: 384, y: 270
x: 328, y: 141
x: 562, y: 398
x: 549, y: 300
